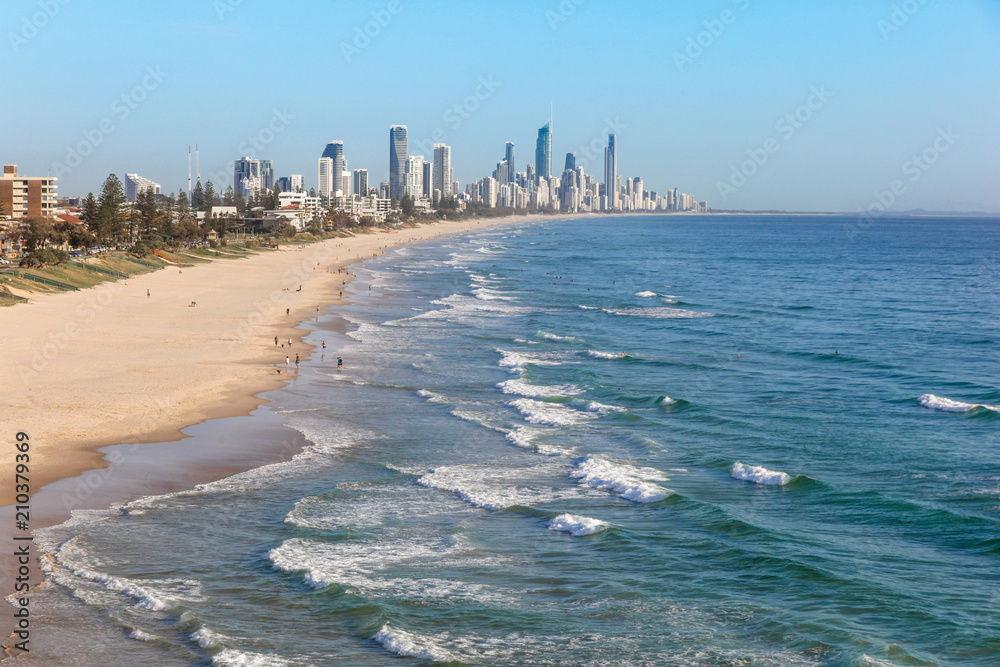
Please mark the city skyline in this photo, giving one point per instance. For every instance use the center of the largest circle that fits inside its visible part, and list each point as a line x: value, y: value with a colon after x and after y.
x: 759, y: 107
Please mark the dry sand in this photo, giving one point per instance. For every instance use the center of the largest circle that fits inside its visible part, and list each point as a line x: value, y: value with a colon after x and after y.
x: 111, y: 365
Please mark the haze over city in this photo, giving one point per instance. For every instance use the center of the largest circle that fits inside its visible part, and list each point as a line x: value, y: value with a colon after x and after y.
x: 831, y: 104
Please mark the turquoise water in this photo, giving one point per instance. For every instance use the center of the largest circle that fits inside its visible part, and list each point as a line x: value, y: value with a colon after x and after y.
x: 619, y: 441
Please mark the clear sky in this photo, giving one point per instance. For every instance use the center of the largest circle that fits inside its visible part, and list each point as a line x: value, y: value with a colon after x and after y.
x: 132, y: 85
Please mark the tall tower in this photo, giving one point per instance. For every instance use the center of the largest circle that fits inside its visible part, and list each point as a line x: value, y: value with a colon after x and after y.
x: 611, y: 172
x: 570, y: 161
x: 335, y: 151
x: 509, y: 156
x: 543, y: 153
x: 397, y: 161
x: 442, y: 170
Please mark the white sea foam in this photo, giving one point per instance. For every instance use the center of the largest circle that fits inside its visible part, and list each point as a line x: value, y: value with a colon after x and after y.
x: 646, y: 295
x: 948, y: 405
x: 516, y: 361
x: 602, y: 409
x: 141, y: 635
x: 576, y: 525
x: 658, y: 313
x: 234, y: 658
x: 491, y: 487
x: 759, y: 475
x: 627, y: 481
x: 431, y: 396
x: 550, y: 414
x: 666, y: 400
x: 523, y: 436
x: 207, y: 638
x: 597, y: 354
x: 522, y: 388
x: 588, y: 308
x: 411, y: 644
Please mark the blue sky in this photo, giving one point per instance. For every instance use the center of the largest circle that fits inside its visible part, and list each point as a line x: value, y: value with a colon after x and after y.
x: 133, y: 85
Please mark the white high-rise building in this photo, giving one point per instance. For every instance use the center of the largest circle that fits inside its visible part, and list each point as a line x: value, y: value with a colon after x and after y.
x: 135, y: 184
x: 414, y: 183
x: 442, y: 170
x: 296, y: 182
x: 325, y: 189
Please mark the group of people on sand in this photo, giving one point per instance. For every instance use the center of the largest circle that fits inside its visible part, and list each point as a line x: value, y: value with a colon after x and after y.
x: 298, y: 361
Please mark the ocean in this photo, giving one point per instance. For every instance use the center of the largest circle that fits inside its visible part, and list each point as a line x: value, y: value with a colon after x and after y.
x: 681, y: 440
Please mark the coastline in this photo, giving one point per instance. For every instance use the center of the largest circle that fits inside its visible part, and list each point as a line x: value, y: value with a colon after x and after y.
x: 110, y: 366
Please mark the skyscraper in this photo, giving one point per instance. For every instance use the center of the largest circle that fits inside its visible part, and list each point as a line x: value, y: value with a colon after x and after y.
x: 136, y: 184
x: 397, y: 161
x: 511, y: 171
x: 266, y: 175
x: 335, y: 151
x: 442, y: 170
x: 361, y: 182
x: 414, y: 174
x: 611, y: 172
x: 247, y: 177
x: 428, y: 181
x: 543, y: 153
x: 570, y: 161
x: 325, y: 177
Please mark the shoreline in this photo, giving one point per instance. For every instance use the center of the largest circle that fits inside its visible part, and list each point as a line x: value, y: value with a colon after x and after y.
x: 128, y: 370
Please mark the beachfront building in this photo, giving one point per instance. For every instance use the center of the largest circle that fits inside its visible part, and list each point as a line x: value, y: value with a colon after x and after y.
x: 414, y: 173
x: 247, y: 177
x: 543, y: 153
x: 26, y: 197
x: 136, y: 185
x: 509, y: 158
x: 266, y: 175
x: 361, y: 182
x: 325, y: 190
x: 397, y: 161
x: 611, y: 186
x: 335, y: 151
x: 442, y: 170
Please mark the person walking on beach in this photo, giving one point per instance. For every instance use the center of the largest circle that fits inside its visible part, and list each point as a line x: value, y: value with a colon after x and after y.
x: 286, y: 361
x: 296, y: 362
x: 340, y: 363
x: 147, y: 293
x: 289, y: 342
x: 276, y: 341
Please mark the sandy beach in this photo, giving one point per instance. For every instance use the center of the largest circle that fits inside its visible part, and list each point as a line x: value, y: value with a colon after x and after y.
x: 111, y: 365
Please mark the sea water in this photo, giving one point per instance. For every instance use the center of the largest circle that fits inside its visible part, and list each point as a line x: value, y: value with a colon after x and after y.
x: 606, y: 441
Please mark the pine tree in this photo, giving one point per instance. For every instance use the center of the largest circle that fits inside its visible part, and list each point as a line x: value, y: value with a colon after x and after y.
x: 211, y: 196
x: 240, y: 202
x: 111, y: 210
x: 183, y: 206
x: 229, y: 199
x: 145, y: 204
x: 198, y: 197
x: 275, y: 198
x: 91, y: 214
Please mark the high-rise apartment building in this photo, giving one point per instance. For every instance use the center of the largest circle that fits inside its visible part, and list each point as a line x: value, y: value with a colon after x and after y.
x: 26, y: 197
x: 326, y: 188
x: 611, y: 172
x: 570, y: 161
x: 335, y: 151
x: 442, y: 170
x: 397, y: 161
x: 414, y: 177
x: 296, y: 182
x: 266, y: 175
x: 361, y: 182
x: 136, y: 184
x: 543, y: 153
x: 509, y: 156
x: 247, y: 177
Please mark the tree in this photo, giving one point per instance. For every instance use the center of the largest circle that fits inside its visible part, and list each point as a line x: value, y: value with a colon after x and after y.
x: 183, y: 206
x: 312, y: 192
x: 198, y: 197
x: 240, y: 202
x: 229, y: 198
x: 407, y: 205
x: 91, y: 214
x: 211, y: 197
x: 111, y: 210
x: 146, y: 211
x: 37, y: 232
